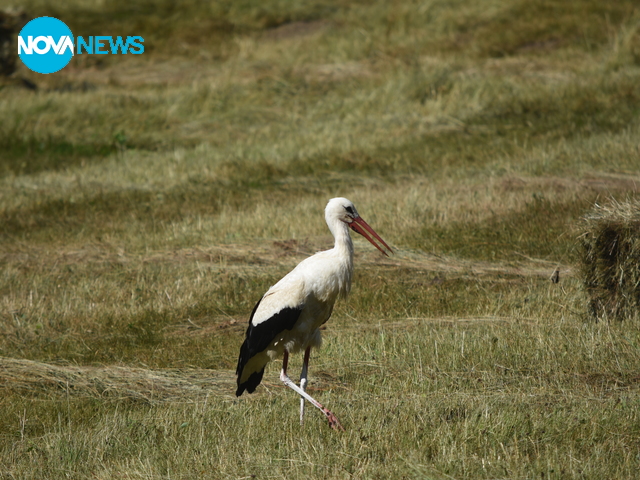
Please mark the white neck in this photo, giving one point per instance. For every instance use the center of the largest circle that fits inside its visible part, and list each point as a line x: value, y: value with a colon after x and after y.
x: 343, y: 244
x: 343, y: 252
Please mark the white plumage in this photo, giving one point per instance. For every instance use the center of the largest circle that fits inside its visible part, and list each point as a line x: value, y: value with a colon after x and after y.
x: 288, y: 317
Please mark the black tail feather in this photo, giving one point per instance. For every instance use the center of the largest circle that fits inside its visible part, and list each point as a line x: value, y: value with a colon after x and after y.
x: 254, y: 379
x: 258, y: 338
x: 250, y: 385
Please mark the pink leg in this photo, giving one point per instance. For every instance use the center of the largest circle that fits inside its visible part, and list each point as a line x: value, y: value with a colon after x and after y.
x: 333, y: 421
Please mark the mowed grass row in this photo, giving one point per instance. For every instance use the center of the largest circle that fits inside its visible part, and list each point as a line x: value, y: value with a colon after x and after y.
x: 147, y: 203
x: 191, y: 307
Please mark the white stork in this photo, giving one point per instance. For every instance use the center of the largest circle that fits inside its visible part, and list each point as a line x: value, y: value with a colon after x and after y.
x: 288, y: 317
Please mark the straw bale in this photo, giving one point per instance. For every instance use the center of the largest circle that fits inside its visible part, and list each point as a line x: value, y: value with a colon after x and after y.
x: 610, y: 260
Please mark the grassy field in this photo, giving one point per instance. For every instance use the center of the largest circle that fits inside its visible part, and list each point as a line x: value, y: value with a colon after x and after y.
x: 147, y: 202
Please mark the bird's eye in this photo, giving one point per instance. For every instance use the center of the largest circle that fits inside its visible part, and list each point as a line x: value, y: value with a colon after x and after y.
x: 349, y: 210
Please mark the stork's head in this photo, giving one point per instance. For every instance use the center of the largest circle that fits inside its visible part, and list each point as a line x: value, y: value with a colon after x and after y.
x: 343, y: 210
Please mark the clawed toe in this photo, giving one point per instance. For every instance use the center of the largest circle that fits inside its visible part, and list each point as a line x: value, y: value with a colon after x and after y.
x: 333, y: 421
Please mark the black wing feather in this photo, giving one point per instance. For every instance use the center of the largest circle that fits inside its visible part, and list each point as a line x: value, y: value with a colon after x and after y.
x: 258, y: 338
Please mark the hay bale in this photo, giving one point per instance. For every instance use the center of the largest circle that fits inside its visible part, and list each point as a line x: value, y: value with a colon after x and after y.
x: 610, y: 260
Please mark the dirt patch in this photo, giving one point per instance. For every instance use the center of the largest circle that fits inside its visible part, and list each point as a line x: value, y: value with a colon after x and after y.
x: 193, y: 329
x: 295, y: 30
x: 614, y: 182
x: 287, y: 252
x: 334, y: 72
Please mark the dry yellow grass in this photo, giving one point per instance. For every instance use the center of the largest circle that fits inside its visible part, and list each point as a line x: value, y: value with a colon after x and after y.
x: 146, y: 204
x: 113, y: 383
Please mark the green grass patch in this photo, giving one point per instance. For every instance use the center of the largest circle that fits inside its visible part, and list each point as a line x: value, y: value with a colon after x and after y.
x: 32, y: 156
x: 542, y: 229
x: 147, y: 202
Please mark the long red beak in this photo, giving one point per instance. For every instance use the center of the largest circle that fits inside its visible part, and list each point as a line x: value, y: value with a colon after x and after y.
x: 363, y: 228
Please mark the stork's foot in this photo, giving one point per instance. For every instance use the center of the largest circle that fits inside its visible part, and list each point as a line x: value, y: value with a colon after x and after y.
x: 333, y: 420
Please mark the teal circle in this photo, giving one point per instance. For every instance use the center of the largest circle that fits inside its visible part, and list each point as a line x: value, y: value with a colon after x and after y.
x: 47, y: 61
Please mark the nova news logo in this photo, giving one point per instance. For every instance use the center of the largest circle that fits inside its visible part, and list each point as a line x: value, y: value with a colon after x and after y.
x: 45, y: 45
